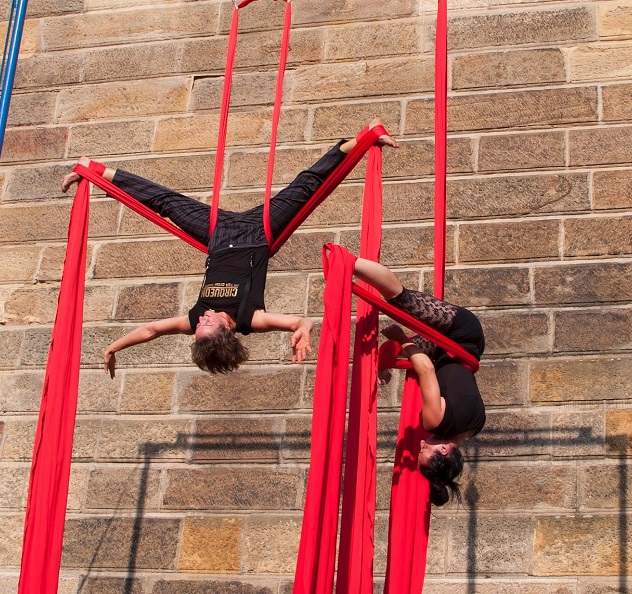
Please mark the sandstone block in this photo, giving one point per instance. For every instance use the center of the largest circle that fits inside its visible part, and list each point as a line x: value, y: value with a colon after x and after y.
x: 600, y: 63
x: 121, y: 487
x: 508, y: 69
x: 604, y: 485
x: 31, y: 109
x: 600, y: 586
x: 342, y: 121
x: 492, y: 586
x: 511, y: 333
x: 13, y: 486
x: 164, y: 439
x: 511, y: 434
x: 48, y: 70
x: 148, y: 302
x: 313, y: 11
x: 602, y: 330
x: 583, y: 283
x: 108, y: 542
x: 97, y: 393
x: 486, y: 287
x: 122, y: 100
x: 223, y: 488
x: 266, y: 388
x: 147, y: 393
x: 271, y: 544
x: 286, y: 293
x: 578, y: 434
x: 111, y: 585
x: 77, y: 486
x: 612, y: 189
x: 10, y: 348
x: 143, y: 24
x: 302, y: 251
x: 11, y: 530
x: 527, y: 240
x: 212, y: 545
x: 599, y: 146
x: 361, y: 79
x: 18, y: 439
x: 258, y: 17
x: 431, y: 6
x: 85, y: 440
x: 598, y: 237
x: 522, y: 151
x: 576, y: 380
x: 373, y: 40
x: 503, y: 383
x: 503, y: 544
x: 567, y: 24
x: 39, y: 8
x: 524, y: 195
x: 416, y: 158
x: 110, y: 138
x: 408, y: 201
x: 158, y: 258
x: 520, y: 486
x: 20, y: 392
x: 51, y: 265
x: 578, y: 545
x: 615, y: 105
x: 618, y: 424
x: 199, y: 586
x: 615, y: 22
x: 437, y: 553
x: 204, y: 55
x: 296, y: 442
x: 515, y: 110
x: 17, y: 263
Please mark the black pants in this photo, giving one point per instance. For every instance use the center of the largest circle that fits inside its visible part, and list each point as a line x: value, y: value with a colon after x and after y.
x: 237, y: 228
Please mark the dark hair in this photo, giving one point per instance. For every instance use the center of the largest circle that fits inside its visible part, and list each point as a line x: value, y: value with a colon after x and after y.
x: 442, y: 472
x: 220, y: 353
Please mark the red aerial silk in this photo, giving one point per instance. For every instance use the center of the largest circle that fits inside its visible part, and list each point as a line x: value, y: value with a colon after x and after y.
x: 50, y: 468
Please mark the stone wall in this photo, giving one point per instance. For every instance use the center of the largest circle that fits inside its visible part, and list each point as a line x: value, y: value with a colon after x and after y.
x: 183, y: 483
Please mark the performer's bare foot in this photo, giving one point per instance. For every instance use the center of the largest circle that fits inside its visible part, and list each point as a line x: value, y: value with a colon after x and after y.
x: 72, y: 177
x: 385, y: 139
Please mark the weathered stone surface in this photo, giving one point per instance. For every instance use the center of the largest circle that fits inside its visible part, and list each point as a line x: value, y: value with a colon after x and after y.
x: 122, y: 100
x: 502, y: 544
x: 302, y: 251
x: 577, y: 380
x: 296, y: 442
x: 111, y: 585
x: 599, y: 146
x: 361, y: 79
x: 511, y: 333
x: 618, y: 425
x: 145, y: 392
x: 248, y: 89
x: 109, y: 542
x: 20, y: 392
x: 590, y: 330
x: 120, y: 488
x: 508, y: 69
x: 493, y: 586
x: 110, y: 27
x: 526, y: 240
x: 31, y: 109
x: 11, y: 530
x: 615, y: 22
x: 314, y: 12
x: 152, y: 439
x: 18, y: 439
x: 583, y: 283
x: 200, y: 586
x: 212, y: 545
x: 601, y: 586
x: 236, y: 439
x: 52, y: 264
x: 97, y: 392
x: 271, y: 544
x: 600, y: 62
x: 39, y: 8
x: 17, y: 264
x: 344, y: 120
x: 519, y: 486
x: 612, y: 189
x: 13, y: 485
x: 239, y: 488
x: 86, y: 438
x: 515, y: 110
x: 10, y: 348
x: 604, y: 485
x: 615, y: 105
x: 416, y: 158
x: 598, y: 237
x: 44, y: 70
x: 503, y: 383
x: 579, y: 545
x: 266, y: 388
x: 110, y: 138
x: 34, y: 144
x: 148, y: 302
x: 522, y: 151
x: 286, y: 293
x: 578, y: 433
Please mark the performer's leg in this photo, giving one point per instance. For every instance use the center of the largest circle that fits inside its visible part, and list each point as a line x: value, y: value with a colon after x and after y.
x: 423, y: 306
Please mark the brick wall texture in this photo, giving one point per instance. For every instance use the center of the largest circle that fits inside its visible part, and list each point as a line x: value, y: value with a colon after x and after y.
x: 184, y: 483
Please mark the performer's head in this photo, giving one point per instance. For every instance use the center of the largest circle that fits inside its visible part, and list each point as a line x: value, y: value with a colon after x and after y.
x: 441, y: 462
x: 216, y: 348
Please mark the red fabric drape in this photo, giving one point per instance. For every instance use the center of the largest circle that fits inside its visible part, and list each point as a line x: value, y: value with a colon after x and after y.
x: 50, y: 468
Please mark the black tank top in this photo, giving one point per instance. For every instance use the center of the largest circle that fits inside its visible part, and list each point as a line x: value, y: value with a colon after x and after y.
x: 464, y: 407
x: 234, y: 283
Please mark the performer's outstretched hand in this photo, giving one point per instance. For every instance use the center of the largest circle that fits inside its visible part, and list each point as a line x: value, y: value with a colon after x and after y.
x: 300, y: 341
x: 109, y: 362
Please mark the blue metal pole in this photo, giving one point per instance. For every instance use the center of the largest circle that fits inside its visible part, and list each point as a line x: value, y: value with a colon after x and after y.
x: 12, y: 60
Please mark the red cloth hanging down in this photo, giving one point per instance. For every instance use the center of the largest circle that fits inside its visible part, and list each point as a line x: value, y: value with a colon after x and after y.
x: 355, y: 557
x: 50, y: 468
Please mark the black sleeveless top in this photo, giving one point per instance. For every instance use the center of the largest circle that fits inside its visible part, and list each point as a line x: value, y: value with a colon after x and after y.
x: 234, y: 283
x: 464, y: 408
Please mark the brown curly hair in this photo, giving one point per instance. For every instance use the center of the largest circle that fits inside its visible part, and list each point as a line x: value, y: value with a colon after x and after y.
x: 220, y: 353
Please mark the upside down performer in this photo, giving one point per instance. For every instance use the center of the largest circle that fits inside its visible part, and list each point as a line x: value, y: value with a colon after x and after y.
x: 232, y: 296
x: 453, y: 409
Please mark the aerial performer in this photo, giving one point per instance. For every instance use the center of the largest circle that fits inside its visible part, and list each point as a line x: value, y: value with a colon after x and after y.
x: 231, y: 299
x: 453, y: 409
